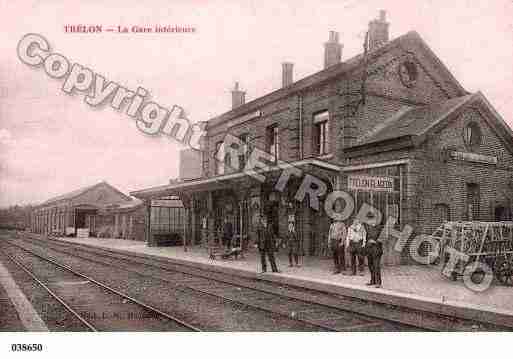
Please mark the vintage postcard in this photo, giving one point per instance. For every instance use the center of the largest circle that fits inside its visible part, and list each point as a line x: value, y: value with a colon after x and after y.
x: 255, y: 166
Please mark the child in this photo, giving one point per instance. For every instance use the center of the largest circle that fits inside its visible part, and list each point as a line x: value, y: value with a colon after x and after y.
x: 293, y: 245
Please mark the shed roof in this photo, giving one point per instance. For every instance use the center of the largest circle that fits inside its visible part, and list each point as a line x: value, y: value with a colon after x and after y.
x: 78, y: 192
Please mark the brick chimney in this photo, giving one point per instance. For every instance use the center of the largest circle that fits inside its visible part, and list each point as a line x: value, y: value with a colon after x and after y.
x: 332, y: 50
x: 287, y: 75
x: 238, y: 96
x: 378, y: 31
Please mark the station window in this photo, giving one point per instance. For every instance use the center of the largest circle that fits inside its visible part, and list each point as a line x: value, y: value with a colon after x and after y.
x: 273, y: 141
x: 228, y: 163
x: 219, y: 165
x: 167, y: 220
x: 244, y: 139
x: 473, y: 201
x: 472, y: 134
x: 321, y: 133
x: 441, y: 214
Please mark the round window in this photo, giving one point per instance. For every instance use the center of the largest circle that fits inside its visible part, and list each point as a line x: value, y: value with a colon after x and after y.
x: 408, y: 73
x: 472, y: 134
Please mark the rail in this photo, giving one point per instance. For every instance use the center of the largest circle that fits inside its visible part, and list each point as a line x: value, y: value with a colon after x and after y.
x: 98, y: 283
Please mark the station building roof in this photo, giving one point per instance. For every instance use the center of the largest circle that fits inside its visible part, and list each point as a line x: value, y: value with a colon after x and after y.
x: 81, y: 191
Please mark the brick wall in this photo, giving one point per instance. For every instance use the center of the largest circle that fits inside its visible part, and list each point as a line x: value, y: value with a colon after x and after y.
x: 284, y: 113
x: 385, y: 95
x: 438, y: 182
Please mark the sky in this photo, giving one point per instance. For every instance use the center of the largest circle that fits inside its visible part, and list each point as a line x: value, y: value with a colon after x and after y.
x: 52, y: 142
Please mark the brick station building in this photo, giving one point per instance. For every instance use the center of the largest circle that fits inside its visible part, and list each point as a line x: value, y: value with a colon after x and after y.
x: 391, y: 126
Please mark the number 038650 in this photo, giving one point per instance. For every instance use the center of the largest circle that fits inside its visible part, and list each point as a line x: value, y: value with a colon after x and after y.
x: 26, y: 347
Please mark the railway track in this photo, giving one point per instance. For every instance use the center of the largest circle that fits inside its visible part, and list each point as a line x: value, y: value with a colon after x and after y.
x: 281, y: 301
x: 112, y: 310
x: 312, y: 315
x: 325, y: 311
x: 283, y: 323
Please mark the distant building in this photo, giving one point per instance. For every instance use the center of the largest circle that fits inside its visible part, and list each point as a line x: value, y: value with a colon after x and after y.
x: 103, y: 211
x: 100, y: 208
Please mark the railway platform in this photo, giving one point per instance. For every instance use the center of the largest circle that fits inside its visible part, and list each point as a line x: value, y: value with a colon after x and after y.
x: 414, y: 286
x: 9, y: 318
x: 16, y: 310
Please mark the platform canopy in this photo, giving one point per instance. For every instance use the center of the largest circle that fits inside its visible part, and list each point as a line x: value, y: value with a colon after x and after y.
x: 229, y: 180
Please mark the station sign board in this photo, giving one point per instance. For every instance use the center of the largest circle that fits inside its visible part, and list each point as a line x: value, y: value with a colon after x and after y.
x: 474, y: 157
x: 370, y: 183
x: 166, y: 203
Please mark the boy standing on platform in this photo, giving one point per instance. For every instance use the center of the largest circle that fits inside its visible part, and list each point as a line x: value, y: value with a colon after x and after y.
x: 293, y: 244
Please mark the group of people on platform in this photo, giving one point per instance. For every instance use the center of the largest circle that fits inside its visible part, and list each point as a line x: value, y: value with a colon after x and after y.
x: 355, y: 239
x: 359, y: 243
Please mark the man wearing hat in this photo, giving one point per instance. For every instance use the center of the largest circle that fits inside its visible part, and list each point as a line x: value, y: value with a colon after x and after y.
x: 337, y: 238
x: 266, y: 245
x: 292, y: 237
x: 374, y: 251
x: 355, y: 242
x: 227, y: 232
x: 293, y: 244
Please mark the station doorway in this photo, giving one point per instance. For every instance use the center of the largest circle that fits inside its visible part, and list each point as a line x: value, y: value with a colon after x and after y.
x: 83, y: 218
x: 502, y: 214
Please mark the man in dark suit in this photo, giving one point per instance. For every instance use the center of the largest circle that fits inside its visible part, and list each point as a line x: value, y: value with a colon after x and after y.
x: 374, y: 251
x: 266, y: 245
x: 227, y: 233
